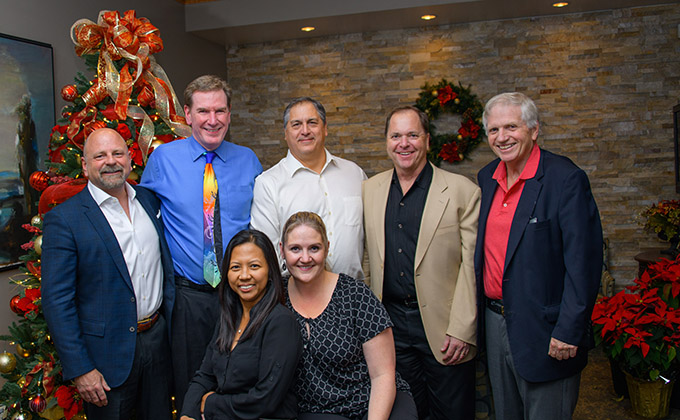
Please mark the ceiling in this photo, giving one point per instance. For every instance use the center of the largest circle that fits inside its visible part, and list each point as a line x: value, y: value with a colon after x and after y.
x: 238, y: 22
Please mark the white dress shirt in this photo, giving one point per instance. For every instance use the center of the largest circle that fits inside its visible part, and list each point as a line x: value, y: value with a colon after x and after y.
x: 139, y: 243
x: 335, y: 194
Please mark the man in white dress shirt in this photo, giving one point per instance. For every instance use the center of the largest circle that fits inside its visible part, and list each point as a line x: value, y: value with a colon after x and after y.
x: 108, y: 288
x: 310, y: 178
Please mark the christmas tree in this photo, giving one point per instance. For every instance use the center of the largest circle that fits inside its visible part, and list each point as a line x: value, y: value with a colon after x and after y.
x: 130, y: 93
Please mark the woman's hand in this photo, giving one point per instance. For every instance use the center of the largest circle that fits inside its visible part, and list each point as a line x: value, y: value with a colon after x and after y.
x: 381, y: 361
x: 205, y: 397
x: 186, y: 418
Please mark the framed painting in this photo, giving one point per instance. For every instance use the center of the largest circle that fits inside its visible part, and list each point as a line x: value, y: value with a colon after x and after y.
x: 26, y: 119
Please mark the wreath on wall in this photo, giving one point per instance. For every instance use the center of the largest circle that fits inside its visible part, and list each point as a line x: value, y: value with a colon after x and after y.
x: 446, y: 97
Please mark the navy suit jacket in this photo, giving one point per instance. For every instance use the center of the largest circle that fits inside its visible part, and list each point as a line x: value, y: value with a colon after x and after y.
x: 552, y: 266
x: 87, y: 294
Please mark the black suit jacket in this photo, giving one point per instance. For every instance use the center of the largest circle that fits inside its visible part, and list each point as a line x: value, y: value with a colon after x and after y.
x: 552, y: 267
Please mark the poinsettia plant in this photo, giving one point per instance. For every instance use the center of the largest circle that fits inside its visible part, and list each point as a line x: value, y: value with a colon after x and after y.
x: 639, y: 327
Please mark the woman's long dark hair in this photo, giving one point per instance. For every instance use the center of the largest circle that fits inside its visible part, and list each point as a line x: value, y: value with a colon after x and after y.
x: 232, y: 310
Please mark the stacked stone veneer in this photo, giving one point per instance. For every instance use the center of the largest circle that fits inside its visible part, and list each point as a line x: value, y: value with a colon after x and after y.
x: 605, y: 84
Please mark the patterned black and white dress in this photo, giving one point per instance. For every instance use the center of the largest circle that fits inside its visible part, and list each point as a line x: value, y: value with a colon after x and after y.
x: 332, y: 376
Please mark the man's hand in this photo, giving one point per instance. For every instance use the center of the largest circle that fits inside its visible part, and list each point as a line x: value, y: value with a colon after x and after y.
x: 454, y: 350
x: 561, y: 350
x: 92, y: 387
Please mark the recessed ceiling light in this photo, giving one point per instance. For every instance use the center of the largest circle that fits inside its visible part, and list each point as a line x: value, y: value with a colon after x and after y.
x: 428, y: 17
x: 307, y: 29
x: 561, y: 4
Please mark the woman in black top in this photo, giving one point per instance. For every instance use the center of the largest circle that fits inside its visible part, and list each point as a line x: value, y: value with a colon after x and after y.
x: 347, y: 369
x: 249, y: 366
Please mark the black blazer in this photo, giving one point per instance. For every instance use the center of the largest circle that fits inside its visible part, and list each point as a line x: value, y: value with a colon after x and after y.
x: 552, y: 267
x: 255, y: 379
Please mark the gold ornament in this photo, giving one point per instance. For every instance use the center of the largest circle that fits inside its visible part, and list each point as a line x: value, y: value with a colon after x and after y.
x: 22, y: 351
x: 134, y: 176
x: 22, y: 381
x: 7, y: 362
x: 435, y: 93
x: 36, y: 220
x: 37, y: 244
x: 79, y: 416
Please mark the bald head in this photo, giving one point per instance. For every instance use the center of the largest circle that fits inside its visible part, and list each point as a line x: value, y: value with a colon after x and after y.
x: 106, y: 160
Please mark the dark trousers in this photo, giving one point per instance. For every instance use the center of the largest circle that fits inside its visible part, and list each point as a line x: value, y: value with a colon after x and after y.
x: 145, y: 394
x: 441, y: 392
x: 194, y: 318
x: 403, y: 409
x: 513, y: 397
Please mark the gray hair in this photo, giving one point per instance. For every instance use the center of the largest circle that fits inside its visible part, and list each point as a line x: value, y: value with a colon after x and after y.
x: 529, y: 110
x: 319, y: 109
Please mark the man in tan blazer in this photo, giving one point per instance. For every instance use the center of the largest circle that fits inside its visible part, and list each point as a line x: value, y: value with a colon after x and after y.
x: 421, y: 228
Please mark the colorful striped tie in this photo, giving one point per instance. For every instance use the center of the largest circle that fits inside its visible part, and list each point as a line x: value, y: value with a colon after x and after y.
x: 211, y: 271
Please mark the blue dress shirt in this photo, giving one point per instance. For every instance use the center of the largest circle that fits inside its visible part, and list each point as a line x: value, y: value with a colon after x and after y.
x: 174, y: 172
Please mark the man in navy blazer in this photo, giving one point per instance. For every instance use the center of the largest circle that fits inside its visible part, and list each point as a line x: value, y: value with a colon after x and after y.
x: 108, y: 288
x: 538, y: 265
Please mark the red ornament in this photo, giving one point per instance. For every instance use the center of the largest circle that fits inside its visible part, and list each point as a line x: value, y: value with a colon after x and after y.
x: 37, y: 404
x: 13, y: 305
x: 69, y: 93
x: 38, y: 180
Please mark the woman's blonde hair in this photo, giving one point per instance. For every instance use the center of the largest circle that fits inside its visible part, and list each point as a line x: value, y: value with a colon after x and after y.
x: 306, y: 218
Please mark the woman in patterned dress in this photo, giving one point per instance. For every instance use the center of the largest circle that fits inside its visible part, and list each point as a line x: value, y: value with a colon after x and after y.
x: 347, y: 370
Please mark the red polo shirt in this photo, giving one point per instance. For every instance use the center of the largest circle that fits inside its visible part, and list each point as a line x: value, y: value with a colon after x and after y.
x: 499, y: 221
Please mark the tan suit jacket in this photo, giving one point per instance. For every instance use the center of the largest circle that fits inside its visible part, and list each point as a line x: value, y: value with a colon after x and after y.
x: 444, y: 260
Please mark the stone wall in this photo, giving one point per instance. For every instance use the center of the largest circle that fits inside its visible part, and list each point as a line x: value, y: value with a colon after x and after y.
x: 605, y: 83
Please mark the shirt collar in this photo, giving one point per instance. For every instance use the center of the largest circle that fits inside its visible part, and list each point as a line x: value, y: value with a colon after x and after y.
x: 529, y: 171
x: 423, y: 180
x: 100, y: 195
x: 293, y: 165
x: 197, y: 150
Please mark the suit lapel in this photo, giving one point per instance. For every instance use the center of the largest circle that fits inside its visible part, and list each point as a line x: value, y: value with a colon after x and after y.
x: 525, y: 208
x: 381, y: 194
x: 150, y: 211
x: 103, y: 229
x: 488, y: 190
x: 435, y: 204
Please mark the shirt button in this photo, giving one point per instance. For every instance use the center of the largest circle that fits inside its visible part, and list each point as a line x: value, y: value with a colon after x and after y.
x: 505, y: 204
x: 400, y: 226
x: 401, y: 204
x: 132, y: 329
x: 399, y: 250
x: 401, y: 274
x: 132, y: 299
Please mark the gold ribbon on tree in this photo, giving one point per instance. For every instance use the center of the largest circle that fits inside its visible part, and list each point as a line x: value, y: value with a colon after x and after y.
x: 117, y: 37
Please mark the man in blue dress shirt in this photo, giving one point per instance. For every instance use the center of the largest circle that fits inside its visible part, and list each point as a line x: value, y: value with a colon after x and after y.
x: 175, y: 173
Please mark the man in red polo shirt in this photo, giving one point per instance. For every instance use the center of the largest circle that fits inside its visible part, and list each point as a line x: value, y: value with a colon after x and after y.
x: 538, y: 264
